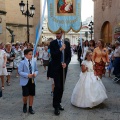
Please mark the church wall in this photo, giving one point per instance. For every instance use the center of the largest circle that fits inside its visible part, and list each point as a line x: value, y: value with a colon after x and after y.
x: 106, y: 10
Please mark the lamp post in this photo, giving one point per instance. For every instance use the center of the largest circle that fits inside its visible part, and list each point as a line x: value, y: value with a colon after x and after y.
x: 28, y: 14
x: 91, y: 28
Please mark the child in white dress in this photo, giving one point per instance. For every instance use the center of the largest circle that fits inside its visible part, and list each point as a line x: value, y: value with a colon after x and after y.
x: 89, y: 90
x: 40, y: 50
x: 45, y: 57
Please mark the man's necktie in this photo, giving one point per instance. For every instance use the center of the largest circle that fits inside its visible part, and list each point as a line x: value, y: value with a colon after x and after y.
x: 30, y: 69
x: 60, y: 45
x: 59, y: 42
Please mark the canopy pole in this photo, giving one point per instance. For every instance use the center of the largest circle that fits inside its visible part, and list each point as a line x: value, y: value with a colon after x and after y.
x: 63, y: 61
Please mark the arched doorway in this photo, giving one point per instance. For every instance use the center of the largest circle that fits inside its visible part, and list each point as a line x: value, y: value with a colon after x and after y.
x: 106, y: 32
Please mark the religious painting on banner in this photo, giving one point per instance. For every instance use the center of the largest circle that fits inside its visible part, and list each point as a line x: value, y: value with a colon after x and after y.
x: 65, y: 7
x: 64, y: 15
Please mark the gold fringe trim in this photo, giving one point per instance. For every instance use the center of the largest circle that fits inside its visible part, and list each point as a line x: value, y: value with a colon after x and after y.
x: 54, y: 32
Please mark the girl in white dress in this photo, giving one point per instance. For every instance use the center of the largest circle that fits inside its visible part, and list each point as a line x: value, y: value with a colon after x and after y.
x: 45, y: 57
x: 3, y: 70
x: 40, y: 50
x: 89, y: 90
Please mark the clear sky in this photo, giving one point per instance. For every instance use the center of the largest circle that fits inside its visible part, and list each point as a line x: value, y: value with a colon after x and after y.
x: 86, y: 9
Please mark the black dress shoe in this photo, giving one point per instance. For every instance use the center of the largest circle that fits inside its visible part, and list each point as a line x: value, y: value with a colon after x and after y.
x: 31, y: 111
x: 57, y: 112
x: 61, y: 108
x: 24, y: 109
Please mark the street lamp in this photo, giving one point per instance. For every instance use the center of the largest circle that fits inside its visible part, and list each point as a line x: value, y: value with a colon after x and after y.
x: 28, y: 14
x: 91, y: 28
x: 42, y: 29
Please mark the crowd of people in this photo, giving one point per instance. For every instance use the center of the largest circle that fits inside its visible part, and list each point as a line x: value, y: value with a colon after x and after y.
x: 12, y: 54
x: 95, y: 59
x: 110, y: 60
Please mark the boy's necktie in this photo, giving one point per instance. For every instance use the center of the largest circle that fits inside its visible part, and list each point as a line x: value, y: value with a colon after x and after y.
x: 30, y: 69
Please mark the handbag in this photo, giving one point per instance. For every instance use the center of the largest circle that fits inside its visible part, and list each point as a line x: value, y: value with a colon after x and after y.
x: 9, y: 66
x: 9, y: 69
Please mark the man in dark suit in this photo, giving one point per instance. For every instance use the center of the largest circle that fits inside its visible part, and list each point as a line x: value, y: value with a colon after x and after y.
x: 58, y: 64
x: 79, y: 52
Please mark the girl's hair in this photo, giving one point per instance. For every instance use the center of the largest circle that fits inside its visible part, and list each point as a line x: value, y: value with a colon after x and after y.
x: 85, y: 43
x: 93, y: 43
x: 88, y: 52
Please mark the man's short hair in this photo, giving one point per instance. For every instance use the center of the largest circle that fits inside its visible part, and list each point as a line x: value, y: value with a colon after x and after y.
x: 59, y: 31
x: 26, y: 51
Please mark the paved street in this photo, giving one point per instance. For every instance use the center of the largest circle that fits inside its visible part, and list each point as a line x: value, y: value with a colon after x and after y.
x: 11, y: 102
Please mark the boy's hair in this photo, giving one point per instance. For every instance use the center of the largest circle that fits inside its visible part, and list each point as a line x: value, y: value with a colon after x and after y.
x: 26, y: 51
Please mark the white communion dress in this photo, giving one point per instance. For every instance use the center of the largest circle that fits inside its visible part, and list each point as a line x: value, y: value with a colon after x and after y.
x: 89, y: 90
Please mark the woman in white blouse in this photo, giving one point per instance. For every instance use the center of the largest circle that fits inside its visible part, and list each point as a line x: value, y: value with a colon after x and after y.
x: 3, y: 60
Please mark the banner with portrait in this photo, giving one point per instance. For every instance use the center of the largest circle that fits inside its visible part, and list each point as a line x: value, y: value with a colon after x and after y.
x: 64, y: 15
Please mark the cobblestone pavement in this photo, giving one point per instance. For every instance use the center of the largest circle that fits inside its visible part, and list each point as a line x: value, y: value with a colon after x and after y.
x: 11, y: 102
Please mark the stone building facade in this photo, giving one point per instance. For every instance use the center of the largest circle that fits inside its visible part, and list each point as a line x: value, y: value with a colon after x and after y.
x: 106, y: 20
x: 2, y: 20
x: 12, y: 18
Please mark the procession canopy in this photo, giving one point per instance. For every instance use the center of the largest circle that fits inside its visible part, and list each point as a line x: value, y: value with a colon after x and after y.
x: 64, y: 15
